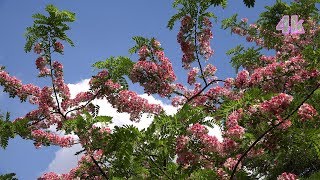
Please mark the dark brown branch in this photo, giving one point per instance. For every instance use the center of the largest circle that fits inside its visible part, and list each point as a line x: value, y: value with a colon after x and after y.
x: 194, y: 96
x: 100, y: 169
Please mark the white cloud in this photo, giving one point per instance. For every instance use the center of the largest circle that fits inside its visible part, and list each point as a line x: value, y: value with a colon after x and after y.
x: 65, y: 159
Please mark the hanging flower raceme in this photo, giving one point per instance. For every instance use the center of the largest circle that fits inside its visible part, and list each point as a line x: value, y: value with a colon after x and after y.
x: 43, y: 137
x: 188, y: 45
x: 61, y: 87
x: 154, y: 74
x: 130, y: 102
x: 204, y: 38
x: 102, y: 83
x: 14, y: 87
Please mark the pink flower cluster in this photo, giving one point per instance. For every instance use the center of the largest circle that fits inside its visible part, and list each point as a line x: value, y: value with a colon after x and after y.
x: 37, y: 48
x: 80, y: 97
x: 58, y: 46
x: 209, y: 70
x: 104, y: 84
x: 155, y: 76
x: 198, y: 130
x: 244, y: 32
x: 228, y: 83
x: 276, y: 104
x: 242, y: 79
x: 223, y: 175
x: 130, y: 102
x: 42, y: 136
x: 229, y: 145
x: 14, y: 87
x: 230, y: 163
x: 287, y: 176
x: 187, y: 46
x: 41, y: 64
x: 307, y: 112
x: 204, y: 37
x: 197, y: 133
x: 143, y: 52
x: 62, y: 88
x: 192, y: 75
x: 289, y: 73
x: 233, y: 128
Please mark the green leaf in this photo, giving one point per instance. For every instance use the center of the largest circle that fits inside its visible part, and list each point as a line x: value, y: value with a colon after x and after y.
x: 10, y: 176
x: 117, y: 68
x: 245, y: 58
x: 229, y: 22
x: 49, y: 29
x: 103, y: 119
x: 249, y: 3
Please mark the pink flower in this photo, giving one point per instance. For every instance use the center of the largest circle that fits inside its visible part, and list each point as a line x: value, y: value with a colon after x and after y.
x: 244, y: 20
x: 236, y: 131
x: 306, y: 112
x: 230, y: 163
x: 155, y: 77
x: 287, y: 176
x: 42, y: 136
x: 143, y: 52
x: 192, y: 75
x: 207, y: 22
x: 181, y: 143
x: 233, y: 118
x: 58, y: 46
x: 211, y: 143
x: 242, y: 79
x: 156, y: 43
x: 210, y: 70
x: 277, y: 104
x: 37, y: 48
x: 49, y: 176
x: 198, y: 130
x: 253, y: 26
x: 228, y: 83
x: 228, y: 145
x: 204, y: 38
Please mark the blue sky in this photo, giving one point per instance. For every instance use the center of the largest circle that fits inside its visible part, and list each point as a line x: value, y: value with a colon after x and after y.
x: 102, y: 29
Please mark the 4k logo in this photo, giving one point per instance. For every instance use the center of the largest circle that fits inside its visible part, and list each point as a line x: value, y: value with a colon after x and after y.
x: 296, y: 26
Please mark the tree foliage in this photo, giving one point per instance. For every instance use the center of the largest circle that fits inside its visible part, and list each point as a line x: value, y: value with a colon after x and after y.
x: 268, y: 114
